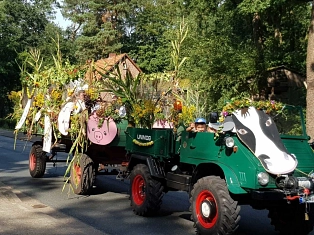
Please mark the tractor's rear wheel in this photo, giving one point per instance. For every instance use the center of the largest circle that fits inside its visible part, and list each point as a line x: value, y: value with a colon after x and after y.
x: 213, y: 210
x: 37, y: 161
x: 82, y: 174
x: 146, y: 192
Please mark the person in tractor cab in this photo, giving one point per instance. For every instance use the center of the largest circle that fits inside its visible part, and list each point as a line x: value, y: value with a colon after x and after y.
x: 213, y: 124
x: 198, y: 126
x: 211, y: 128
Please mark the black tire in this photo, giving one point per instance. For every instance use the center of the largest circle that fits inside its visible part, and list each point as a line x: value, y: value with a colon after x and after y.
x: 213, y: 210
x: 146, y: 192
x: 37, y: 161
x: 289, y: 219
x: 82, y: 175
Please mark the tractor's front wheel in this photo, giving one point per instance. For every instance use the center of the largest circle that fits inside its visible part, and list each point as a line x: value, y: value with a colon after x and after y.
x: 82, y: 174
x: 146, y: 192
x: 37, y: 161
x: 290, y: 219
x: 213, y: 210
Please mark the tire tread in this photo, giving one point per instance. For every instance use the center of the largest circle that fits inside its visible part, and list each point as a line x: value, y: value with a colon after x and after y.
x: 40, y: 166
x: 154, y: 192
x: 229, y: 222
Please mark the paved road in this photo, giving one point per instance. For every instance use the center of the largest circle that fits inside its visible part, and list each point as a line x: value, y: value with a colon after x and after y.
x: 38, y: 206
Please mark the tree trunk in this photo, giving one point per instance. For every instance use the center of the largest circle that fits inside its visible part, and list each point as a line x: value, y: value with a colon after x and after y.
x: 310, y: 79
x: 259, y: 62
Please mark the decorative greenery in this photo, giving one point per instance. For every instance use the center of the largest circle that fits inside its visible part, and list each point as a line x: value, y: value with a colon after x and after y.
x: 109, y: 110
x: 269, y: 106
x: 46, y: 87
x: 144, y: 99
x: 143, y: 113
x: 184, y: 116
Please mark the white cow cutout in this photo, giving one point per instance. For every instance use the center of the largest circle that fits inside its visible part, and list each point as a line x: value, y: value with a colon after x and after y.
x: 64, y: 118
x: 259, y: 133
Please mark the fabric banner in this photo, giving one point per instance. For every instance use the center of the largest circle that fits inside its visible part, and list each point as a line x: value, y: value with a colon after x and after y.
x: 47, y: 135
x: 24, y: 115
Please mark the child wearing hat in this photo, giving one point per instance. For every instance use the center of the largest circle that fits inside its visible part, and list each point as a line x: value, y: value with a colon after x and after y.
x: 198, y: 126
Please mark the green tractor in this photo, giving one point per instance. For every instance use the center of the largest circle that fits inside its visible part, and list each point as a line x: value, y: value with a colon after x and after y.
x: 253, y: 159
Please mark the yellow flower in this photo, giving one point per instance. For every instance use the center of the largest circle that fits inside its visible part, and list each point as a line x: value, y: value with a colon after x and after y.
x: 70, y: 92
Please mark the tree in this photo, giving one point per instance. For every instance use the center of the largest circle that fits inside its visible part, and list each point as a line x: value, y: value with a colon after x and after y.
x: 23, y: 24
x: 97, y: 26
x: 241, y: 41
x: 150, y: 25
x: 310, y: 79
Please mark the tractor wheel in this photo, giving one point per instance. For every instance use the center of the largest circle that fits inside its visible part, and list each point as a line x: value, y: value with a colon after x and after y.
x: 290, y: 219
x: 82, y: 175
x: 213, y: 210
x: 146, y: 192
x: 37, y: 161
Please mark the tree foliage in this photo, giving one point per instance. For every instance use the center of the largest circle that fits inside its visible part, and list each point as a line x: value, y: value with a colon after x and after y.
x: 97, y: 26
x: 24, y: 25
x: 228, y: 48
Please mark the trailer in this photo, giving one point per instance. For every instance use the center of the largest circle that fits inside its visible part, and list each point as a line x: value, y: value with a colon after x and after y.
x: 84, y: 168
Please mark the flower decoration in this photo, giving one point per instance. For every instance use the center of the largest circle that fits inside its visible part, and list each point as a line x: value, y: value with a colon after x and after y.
x: 109, y: 110
x: 143, y: 113
x: 270, y: 107
x: 184, y: 116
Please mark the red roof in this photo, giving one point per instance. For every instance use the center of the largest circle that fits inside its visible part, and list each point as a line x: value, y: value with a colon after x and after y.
x: 107, y: 64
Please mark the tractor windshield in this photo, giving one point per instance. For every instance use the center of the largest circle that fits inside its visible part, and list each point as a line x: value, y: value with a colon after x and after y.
x: 290, y: 121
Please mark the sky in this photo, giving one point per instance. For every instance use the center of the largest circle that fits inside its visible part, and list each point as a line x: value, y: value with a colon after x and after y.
x: 61, y: 21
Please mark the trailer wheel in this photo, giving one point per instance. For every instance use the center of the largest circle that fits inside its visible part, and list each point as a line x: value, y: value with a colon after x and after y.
x: 213, y: 210
x: 82, y: 175
x: 146, y: 192
x: 290, y: 219
x: 37, y: 161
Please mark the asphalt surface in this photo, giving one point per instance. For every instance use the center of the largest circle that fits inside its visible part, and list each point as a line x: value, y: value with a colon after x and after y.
x: 21, y: 214
x: 39, y: 206
x: 24, y: 210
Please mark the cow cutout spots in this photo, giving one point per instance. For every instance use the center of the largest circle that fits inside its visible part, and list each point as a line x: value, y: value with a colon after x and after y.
x: 258, y: 132
x: 264, y: 160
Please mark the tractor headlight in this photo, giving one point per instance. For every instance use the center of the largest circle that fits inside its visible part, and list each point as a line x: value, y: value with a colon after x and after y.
x: 229, y: 141
x: 262, y: 178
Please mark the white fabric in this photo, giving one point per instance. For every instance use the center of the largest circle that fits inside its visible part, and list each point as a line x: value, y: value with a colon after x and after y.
x: 64, y: 118
x: 37, y: 116
x: 47, y: 135
x: 24, y: 115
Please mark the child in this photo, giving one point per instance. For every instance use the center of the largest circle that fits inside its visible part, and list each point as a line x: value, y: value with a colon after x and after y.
x: 198, y: 126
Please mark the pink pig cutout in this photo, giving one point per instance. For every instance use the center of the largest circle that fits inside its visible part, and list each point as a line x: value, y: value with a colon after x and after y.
x: 103, y: 135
